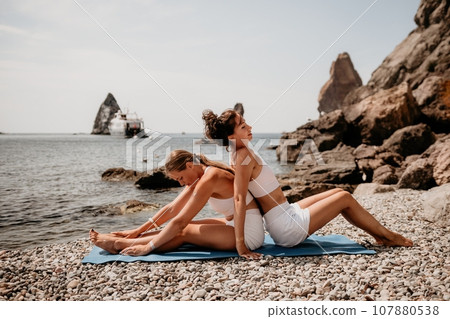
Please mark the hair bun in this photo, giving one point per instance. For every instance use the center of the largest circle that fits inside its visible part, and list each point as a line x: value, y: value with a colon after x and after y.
x: 219, y: 127
x: 212, y: 123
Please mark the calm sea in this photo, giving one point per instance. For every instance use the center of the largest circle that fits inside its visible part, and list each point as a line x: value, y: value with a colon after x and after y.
x: 51, y: 188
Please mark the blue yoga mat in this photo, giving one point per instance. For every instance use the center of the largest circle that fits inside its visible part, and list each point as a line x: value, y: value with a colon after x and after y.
x: 313, y: 246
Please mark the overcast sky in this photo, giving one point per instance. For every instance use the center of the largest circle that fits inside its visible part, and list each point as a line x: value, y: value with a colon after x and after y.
x: 57, y: 65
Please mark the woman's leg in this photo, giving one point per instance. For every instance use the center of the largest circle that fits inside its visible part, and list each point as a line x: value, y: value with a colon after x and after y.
x: 211, y: 235
x: 308, y: 201
x: 201, y: 221
x: 343, y: 202
x: 108, y: 241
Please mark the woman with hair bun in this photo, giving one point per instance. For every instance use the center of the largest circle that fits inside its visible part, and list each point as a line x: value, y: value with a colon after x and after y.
x: 288, y: 224
x: 206, y: 181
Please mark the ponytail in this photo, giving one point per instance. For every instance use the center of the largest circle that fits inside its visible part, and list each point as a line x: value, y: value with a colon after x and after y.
x: 177, y: 160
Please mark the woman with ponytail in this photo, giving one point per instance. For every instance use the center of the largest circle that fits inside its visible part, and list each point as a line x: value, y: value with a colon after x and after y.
x: 205, y: 181
x: 288, y: 224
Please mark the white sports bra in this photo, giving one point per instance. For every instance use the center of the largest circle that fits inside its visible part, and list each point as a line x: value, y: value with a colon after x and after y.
x: 264, y: 184
x: 226, y: 206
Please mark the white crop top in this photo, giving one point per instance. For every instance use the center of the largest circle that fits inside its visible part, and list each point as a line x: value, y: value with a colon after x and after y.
x: 264, y: 184
x: 226, y: 206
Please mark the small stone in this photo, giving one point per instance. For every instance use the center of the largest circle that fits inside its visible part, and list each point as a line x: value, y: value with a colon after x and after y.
x: 73, y: 284
x: 384, y: 294
x: 199, y: 294
x: 58, y: 270
x: 111, y: 275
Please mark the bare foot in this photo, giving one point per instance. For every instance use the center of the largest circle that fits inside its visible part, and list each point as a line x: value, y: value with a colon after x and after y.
x: 394, y: 240
x: 103, y: 241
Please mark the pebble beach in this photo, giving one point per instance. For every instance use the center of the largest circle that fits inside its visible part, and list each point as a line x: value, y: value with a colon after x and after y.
x: 421, y: 272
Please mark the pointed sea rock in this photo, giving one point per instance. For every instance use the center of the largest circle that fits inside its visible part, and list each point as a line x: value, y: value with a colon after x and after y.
x: 104, y: 115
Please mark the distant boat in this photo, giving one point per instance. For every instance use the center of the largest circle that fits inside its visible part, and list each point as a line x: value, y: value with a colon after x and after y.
x: 125, y: 124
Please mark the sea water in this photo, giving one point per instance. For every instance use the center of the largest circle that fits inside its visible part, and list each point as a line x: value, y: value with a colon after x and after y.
x: 51, y: 188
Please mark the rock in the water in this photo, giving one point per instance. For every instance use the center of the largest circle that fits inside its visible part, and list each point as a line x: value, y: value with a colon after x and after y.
x: 343, y: 79
x: 157, y: 179
x: 436, y: 205
x: 104, y: 115
x: 239, y: 108
x: 120, y: 174
x: 133, y: 206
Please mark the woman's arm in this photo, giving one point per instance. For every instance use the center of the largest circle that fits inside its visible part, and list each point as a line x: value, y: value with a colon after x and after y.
x: 163, y: 215
x: 196, y: 202
x: 243, y: 171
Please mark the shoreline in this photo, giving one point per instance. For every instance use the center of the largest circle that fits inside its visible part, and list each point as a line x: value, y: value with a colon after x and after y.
x: 55, y: 272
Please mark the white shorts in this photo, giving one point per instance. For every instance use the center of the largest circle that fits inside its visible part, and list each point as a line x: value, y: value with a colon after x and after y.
x: 287, y: 224
x: 253, y: 229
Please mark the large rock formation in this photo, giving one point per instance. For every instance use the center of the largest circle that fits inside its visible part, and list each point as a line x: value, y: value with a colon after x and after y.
x: 424, y: 53
x: 343, y: 79
x: 378, y: 116
x: 395, y: 130
x: 369, y: 121
x: 105, y: 114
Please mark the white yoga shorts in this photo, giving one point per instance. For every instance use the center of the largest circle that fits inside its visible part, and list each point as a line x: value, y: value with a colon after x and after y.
x: 287, y: 224
x: 253, y: 229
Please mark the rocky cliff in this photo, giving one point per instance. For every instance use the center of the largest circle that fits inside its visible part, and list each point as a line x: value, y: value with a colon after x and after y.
x: 343, y: 79
x: 393, y: 130
x: 105, y: 114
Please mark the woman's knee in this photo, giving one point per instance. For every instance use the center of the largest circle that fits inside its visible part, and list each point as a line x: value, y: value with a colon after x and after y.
x: 186, y: 231
x: 345, y: 196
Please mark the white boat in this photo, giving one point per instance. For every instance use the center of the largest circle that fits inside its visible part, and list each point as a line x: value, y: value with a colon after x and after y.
x: 125, y: 124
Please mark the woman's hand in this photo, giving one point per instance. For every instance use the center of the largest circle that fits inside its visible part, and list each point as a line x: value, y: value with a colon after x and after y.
x: 243, y: 251
x: 137, y: 250
x: 132, y: 233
